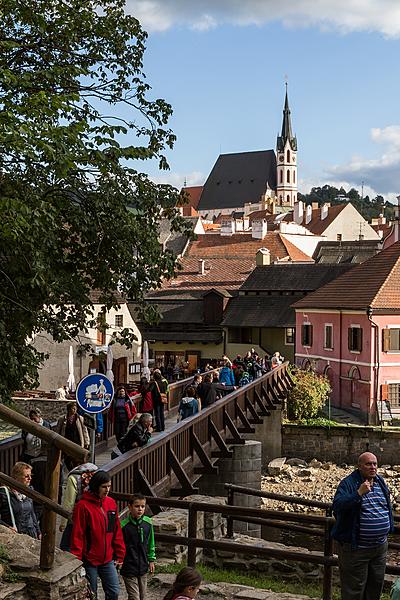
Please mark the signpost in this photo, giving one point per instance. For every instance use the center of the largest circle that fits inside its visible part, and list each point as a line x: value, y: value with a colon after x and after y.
x: 94, y: 395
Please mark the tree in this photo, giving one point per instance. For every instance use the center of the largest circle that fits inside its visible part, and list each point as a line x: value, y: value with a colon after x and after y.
x: 308, y: 395
x: 75, y: 213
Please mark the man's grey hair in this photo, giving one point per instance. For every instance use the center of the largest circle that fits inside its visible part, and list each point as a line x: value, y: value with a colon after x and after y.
x: 145, y: 417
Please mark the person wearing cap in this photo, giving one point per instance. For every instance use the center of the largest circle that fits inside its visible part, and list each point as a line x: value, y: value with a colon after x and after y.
x: 97, y: 538
x: 77, y: 482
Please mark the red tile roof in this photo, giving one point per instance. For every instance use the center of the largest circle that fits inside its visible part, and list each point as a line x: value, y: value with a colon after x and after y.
x: 225, y: 273
x: 375, y: 283
x: 193, y: 195
x: 259, y: 214
x: 316, y: 225
x: 243, y: 245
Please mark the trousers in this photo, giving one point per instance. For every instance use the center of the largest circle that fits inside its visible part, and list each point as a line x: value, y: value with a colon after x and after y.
x: 362, y: 571
x: 136, y: 587
x: 108, y: 576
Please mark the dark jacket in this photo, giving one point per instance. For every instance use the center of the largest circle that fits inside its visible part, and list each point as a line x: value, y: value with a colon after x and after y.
x: 207, y: 393
x: 347, y: 506
x: 96, y: 532
x: 188, y: 407
x: 157, y: 388
x: 24, y: 515
x: 140, y: 548
x: 138, y: 433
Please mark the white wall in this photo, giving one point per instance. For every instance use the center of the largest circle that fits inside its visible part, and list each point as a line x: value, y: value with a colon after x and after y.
x: 347, y: 223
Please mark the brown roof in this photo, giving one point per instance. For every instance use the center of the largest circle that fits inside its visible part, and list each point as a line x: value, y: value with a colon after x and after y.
x: 316, y: 225
x: 259, y: 214
x: 243, y: 245
x: 375, y: 283
x: 220, y: 272
x: 193, y: 194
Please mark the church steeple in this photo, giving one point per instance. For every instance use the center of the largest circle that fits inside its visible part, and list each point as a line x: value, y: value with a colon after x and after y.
x: 286, y: 154
x: 286, y: 134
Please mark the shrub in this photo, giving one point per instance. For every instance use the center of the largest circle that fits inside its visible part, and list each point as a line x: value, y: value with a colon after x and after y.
x: 308, y: 394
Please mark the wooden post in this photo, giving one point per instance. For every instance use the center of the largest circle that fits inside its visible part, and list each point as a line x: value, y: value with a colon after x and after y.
x: 328, y: 552
x: 49, y: 517
x: 229, y: 520
x: 192, y: 534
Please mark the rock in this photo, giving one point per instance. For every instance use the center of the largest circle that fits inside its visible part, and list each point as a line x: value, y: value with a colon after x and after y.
x: 315, y: 464
x: 296, y: 462
x: 276, y: 465
x: 389, y: 473
x: 396, y: 468
x: 252, y: 595
x: 303, y: 473
x: 386, y: 466
x: 326, y: 466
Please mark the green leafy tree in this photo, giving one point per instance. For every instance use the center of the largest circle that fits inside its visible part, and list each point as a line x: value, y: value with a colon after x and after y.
x: 76, y: 213
x: 308, y: 395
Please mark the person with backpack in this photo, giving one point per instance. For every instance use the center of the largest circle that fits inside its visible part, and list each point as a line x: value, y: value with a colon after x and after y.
x: 97, y: 538
x: 77, y: 482
x: 226, y: 376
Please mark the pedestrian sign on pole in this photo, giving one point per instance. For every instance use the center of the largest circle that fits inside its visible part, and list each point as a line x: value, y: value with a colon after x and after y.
x: 94, y: 393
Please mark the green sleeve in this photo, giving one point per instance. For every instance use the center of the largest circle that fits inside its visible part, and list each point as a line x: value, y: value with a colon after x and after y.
x: 70, y: 494
x: 151, y: 550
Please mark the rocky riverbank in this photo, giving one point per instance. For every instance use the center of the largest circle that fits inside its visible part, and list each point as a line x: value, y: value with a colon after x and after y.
x: 315, y: 480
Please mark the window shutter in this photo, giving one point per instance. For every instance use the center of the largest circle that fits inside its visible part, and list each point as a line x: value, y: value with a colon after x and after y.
x: 385, y: 340
x: 349, y: 338
x: 360, y: 340
x: 303, y: 335
x: 311, y: 334
x: 384, y: 390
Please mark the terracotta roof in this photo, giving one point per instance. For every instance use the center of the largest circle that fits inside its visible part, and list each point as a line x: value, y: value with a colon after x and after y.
x: 316, y: 225
x: 220, y: 272
x: 259, y: 214
x: 386, y: 229
x: 193, y: 193
x: 243, y: 245
x: 375, y: 283
x: 211, y: 226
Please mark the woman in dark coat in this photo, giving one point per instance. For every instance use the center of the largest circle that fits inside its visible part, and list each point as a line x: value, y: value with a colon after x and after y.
x: 159, y: 391
x: 16, y: 509
x: 122, y: 411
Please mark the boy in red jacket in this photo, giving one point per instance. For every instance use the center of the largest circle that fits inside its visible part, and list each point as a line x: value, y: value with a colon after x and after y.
x: 97, y: 538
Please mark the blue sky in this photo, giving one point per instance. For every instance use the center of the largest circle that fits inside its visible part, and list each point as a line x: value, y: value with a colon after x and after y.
x: 222, y: 65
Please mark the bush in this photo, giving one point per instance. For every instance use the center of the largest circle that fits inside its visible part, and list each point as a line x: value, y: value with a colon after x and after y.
x: 308, y: 395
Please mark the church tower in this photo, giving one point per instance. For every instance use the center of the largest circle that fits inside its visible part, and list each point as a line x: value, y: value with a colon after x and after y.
x: 286, y: 158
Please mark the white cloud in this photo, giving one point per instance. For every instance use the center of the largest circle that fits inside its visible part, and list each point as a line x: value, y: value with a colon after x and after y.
x: 381, y: 175
x: 178, y: 179
x: 343, y: 15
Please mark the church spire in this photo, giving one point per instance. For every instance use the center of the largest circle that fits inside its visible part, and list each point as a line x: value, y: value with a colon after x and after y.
x: 286, y: 134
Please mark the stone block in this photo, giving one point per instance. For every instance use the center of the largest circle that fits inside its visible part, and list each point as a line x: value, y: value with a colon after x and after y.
x: 275, y: 466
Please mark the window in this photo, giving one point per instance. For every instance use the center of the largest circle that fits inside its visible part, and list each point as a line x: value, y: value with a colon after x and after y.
x: 281, y: 175
x: 240, y: 335
x: 328, y: 338
x: 294, y: 176
x: 288, y: 156
x: 338, y: 237
x: 288, y: 176
x: 355, y: 339
x: 289, y: 335
x: 101, y: 329
x: 288, y: 198
x: 306, y: 334
x: 391, y: 340
x: 119, y: 320
x: 393, y: 390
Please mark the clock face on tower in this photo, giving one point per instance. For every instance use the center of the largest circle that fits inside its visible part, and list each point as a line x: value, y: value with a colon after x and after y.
x: 294, y: 159
x: 281, y: 158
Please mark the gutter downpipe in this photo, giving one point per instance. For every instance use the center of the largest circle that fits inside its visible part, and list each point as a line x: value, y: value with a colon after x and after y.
x: 376, y: 362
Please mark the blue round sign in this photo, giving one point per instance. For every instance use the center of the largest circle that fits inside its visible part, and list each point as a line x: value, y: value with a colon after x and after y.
x: 94, y: 393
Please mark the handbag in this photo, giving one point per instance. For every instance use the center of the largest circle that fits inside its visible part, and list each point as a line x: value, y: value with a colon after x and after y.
x: 164, y: 396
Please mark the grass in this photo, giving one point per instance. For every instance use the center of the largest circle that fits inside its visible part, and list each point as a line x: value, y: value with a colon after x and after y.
x: 255, y: 580
x: 8, y: 576
x: 315, y: 422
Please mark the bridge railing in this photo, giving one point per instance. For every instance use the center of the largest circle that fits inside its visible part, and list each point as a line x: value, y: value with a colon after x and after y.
x: 171, y: 459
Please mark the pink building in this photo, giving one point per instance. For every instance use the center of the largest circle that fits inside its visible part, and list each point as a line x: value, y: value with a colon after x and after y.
x: 350, y: 330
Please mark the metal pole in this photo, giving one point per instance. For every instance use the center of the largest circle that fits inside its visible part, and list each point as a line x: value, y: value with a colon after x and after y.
x: 92, y: 445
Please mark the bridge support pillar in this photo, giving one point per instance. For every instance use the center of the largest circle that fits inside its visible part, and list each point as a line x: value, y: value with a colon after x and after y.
x: 243, y: 468
x: 269, y: 433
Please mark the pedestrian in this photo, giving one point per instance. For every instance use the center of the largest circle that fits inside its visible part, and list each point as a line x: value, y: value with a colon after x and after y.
x: 276, y: 360
x: 97, y: 538
x: 122, y: 412
x: 363, y: 514
x: 197, y: 379
x: 206, y: 391
x: 146, y: 401
x: 138, y: 435
x: 77, y: 482
x: 62, y: 393
x: 159, y: 393
x: 186, y: 585
x: 140, y: 554
x: 16, y: 509
x: 34, y: 452
x: 189, y: 405
x: 72, y: 427
x: 226, y: 375
x: 267, y: 363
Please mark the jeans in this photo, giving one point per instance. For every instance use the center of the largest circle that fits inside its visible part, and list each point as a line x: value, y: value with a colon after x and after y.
x: 159, y: 416
x: 109, y: 579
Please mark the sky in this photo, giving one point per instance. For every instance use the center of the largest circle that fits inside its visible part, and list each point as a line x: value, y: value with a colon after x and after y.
x: 222, y: 64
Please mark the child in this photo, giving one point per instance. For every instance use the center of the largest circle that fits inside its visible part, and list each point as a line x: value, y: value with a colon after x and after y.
x: 189, y: 405
x: 186, y: 585
x: 138, y: 535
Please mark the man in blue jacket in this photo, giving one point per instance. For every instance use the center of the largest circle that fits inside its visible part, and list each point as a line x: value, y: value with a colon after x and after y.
x: 364, y: 518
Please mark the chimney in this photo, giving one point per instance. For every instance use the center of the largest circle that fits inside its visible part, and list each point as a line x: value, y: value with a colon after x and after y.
x: 202, y: 266
x: 381, y: 220
x: 259, y: 229
x: 308, y: 213
x: 298, y: 212
x: 263, y: 257
x: 227, y: 225
x: 315, y: 205
x: 324, y: 210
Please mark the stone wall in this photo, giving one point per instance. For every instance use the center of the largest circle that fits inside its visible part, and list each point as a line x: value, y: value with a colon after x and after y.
x: 50, y: 409
x: 340, y: 444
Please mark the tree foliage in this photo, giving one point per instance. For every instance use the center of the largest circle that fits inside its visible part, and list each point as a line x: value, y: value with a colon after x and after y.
x: 308, y: 395
x: 368, y: 208
x: 76, y: 214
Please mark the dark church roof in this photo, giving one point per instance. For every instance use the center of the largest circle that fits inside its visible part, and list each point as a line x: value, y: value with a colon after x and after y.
x: 239, y: 178
x: 286, y: 133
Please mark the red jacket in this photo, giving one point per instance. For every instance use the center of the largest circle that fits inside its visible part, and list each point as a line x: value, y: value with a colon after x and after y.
x: 96, y: 531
